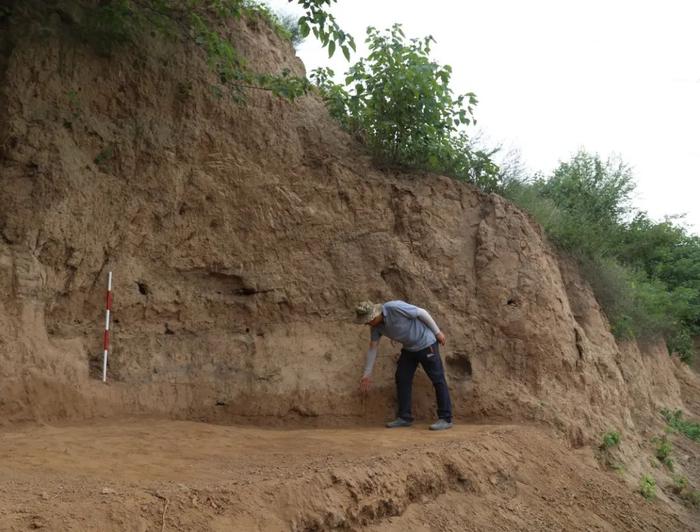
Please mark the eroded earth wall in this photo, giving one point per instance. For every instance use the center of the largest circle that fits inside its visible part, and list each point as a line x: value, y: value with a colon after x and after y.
x: 241, y: 236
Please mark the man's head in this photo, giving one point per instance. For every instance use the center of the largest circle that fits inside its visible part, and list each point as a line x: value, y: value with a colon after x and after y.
x: 368, y: 313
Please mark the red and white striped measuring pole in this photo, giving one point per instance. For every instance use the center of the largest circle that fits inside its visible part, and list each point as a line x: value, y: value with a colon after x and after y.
x: 106, y: 337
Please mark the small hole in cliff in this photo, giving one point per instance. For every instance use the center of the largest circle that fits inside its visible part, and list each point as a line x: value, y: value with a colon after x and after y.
x: 513, y: 302
x: 459, y: 365
x: 143, y: 288
x: 247, y: 330
x: 245, y: 291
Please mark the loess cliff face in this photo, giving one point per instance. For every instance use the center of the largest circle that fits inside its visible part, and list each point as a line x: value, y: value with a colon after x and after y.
x: 241, y: 237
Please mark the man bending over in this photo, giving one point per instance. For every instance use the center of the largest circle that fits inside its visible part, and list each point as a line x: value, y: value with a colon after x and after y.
x: 416, y: 330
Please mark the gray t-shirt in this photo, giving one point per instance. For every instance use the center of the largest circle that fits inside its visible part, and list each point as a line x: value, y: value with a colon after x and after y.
x: 401, y: 323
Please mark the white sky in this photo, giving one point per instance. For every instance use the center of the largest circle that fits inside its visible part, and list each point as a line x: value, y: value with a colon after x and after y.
x: 552, y: 76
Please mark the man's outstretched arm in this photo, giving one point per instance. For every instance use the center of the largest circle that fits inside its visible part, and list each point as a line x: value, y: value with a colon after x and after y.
x: 369, y: 364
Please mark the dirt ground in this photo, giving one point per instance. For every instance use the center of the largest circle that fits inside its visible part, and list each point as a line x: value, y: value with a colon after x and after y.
x: 151, y: 474
x: 240, y: 238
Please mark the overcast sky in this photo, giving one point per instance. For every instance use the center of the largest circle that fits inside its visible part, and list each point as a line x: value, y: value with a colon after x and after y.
x: 552, y: 76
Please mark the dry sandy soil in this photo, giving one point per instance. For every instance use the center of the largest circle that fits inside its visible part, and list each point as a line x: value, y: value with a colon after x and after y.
x: 151, y: 474
x: 241, y: 237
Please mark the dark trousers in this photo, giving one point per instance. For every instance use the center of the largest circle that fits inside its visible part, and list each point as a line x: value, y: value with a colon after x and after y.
x: 429, y: 358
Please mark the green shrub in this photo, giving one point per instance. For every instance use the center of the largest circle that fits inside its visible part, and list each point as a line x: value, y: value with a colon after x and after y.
x: 692, y: 497
x: 667, y: 252
x: 612, y: 285
x: 681, y: 343
x: 619, y: 468
x: 527, y: 197
x: 646, y: 275
x: 647, y: 487
x: 681, y: 487
x: 675, y: 420
x: 398, y: 101
x: 655, y: 310
x: 594, y: 195
x: 636, y: 307
x: 663, y: 451
x: 610, y: 439
x: 680, y: 483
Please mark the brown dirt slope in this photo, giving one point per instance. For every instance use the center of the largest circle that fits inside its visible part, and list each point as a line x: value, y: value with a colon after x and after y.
x: 240, y: 238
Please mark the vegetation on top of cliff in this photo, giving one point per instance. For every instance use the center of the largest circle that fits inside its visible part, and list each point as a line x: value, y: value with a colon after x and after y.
x: 645, y: 274
x: 400, y: 104
x: 398, y: 101
x: 109, y: 24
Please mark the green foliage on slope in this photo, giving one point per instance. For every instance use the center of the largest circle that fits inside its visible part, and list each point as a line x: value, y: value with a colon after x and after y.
x: 399, y: 103
x: 109, y: 25
x: 645, y: 274
x: 647, y: 487
x: 675, y: 420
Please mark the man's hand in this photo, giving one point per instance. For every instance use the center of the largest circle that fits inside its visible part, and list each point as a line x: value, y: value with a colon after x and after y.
x: 365, y: 383
x: 441, y: 338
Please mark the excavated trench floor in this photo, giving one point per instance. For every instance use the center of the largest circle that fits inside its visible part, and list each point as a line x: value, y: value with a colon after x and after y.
x: 154, y: 474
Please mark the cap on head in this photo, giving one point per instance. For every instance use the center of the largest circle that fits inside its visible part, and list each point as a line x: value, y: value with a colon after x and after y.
x: 366, y: 311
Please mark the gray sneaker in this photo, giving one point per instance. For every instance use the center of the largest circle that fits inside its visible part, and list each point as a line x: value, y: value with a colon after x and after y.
x: 398, y: 422
x: 441, y: 424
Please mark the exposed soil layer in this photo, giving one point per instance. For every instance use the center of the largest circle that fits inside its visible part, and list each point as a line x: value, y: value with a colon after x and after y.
x: 241, y: 237
x: 141, y: 474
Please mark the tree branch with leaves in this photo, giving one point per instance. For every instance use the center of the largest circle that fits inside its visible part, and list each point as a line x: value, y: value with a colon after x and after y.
x: 399, y: 103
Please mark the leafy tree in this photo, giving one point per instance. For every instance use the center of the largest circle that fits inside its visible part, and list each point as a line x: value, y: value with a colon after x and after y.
x: 645, y: 275
x: 318, y: 20
x: 665, y: 251
x: 669, y: 256
x: 595, y: 195
x: 399, y: 102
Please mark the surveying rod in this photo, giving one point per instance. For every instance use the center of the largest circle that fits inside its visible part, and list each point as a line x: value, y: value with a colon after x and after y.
x: 106, y: 336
